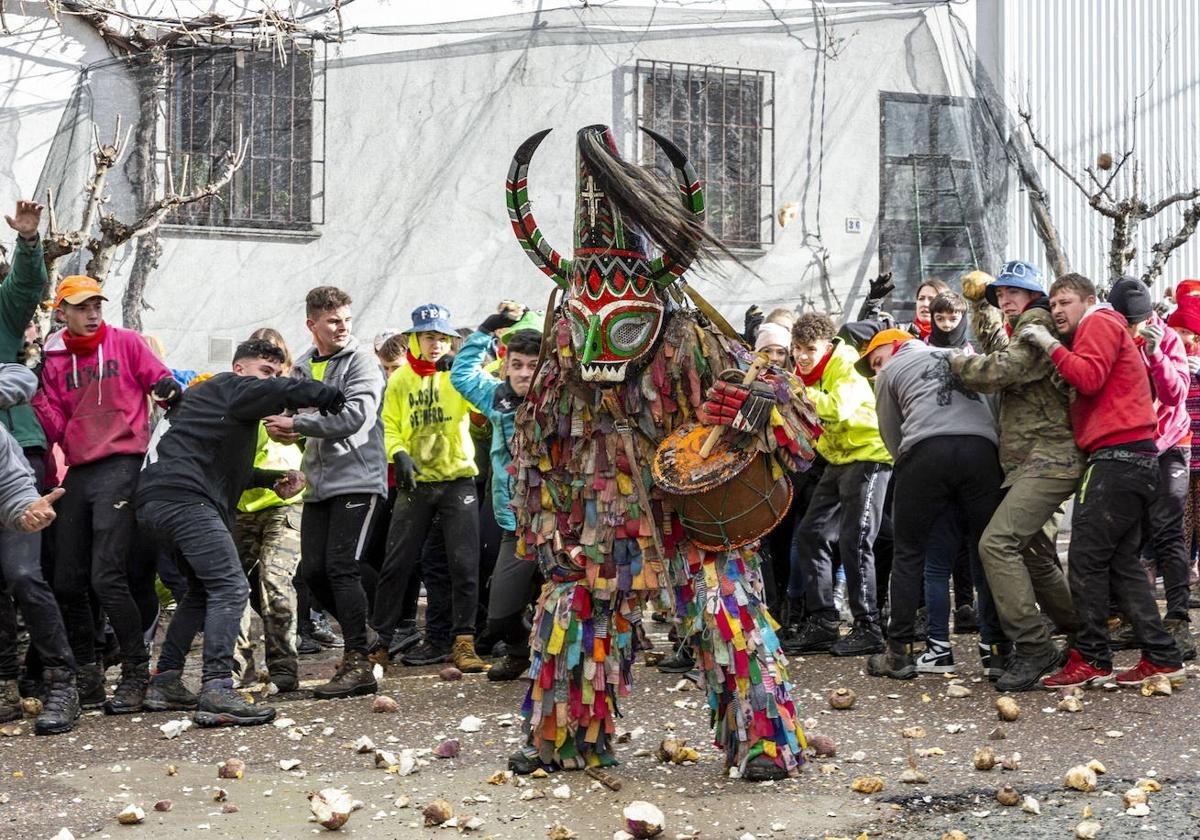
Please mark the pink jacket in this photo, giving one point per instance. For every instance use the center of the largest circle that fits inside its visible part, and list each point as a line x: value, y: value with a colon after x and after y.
x: 95, y: 406
x: 1171, y: 377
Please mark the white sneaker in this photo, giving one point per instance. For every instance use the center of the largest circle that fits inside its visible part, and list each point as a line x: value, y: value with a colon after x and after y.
x: 937, y: 658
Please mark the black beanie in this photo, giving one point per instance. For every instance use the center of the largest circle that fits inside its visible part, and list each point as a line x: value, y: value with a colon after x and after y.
x: 1131, y: 298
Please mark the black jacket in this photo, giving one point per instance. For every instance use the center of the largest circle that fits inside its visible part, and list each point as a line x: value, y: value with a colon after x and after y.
x: 204, y: 447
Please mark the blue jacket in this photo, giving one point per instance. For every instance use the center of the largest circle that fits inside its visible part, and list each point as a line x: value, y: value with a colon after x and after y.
x: 496, y: 401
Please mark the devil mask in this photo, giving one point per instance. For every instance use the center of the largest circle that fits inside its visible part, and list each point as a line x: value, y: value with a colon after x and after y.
x: 613, y: 288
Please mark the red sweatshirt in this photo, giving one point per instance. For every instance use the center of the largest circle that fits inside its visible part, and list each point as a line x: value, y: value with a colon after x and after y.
x: 1113, y: 403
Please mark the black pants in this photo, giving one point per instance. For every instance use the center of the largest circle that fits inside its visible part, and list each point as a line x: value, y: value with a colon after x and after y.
x: 457, y: 503
x: 93, y: 535
x: 937, y: 475
x: 1111, y: 502
x: 22, y: 581
x: 333, y: 536
x: 1163, y: 529
x: 196, y: 536
x: 847, y: 506
x: 512, y: 591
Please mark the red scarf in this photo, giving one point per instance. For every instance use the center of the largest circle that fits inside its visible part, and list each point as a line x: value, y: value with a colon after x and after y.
x: 814, y: 376
x: 924, y: 328
x: 84, y: 345
x: 420, y: 366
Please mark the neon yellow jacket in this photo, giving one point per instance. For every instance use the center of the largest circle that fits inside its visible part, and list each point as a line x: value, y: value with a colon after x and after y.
x: 271, y: 456
x: 846, y: 405
x: 429, y: 419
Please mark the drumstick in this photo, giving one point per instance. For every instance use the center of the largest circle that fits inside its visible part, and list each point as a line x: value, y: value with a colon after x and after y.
x: 760, y: 362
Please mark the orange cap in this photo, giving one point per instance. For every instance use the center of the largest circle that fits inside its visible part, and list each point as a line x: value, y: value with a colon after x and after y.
x: 881, y: 338
x: 76, y: 289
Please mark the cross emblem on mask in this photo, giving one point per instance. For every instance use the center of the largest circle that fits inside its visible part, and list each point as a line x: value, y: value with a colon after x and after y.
x: 593, y: 197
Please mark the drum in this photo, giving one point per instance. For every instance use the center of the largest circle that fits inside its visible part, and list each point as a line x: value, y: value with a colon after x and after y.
x: 726, y: 500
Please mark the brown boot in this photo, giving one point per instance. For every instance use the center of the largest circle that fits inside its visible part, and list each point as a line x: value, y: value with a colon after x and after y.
x: 10, y: 701
x: 464, y: 657
x: 354, y: 677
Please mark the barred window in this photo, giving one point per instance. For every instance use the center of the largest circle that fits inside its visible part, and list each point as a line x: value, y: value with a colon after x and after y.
x: 723, y: 118
x: 273, y: 100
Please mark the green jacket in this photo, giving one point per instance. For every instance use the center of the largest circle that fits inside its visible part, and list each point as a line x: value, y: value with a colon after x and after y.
x: 846, y: 405
x: 20, y: 294
x: 1035, y: 421
x: 271, y: 455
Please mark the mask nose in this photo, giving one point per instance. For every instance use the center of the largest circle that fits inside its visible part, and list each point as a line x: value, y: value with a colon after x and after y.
x: 591, y: 344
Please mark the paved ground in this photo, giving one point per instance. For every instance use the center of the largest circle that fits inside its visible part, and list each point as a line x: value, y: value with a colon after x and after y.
x: 81, y: 781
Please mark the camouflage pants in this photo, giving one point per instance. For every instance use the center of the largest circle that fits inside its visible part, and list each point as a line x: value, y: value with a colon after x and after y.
x: 268, y: 543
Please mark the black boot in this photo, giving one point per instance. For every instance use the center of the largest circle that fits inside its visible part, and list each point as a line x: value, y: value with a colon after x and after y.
x: 522, y: 763
x: 10, y: 701
x: 762, y: 768
x: 427, y: 653
x: 130, y: 692
x: 220, y: 705
x: 285, y: 675
x: 680, y: 662
x: 61, y: 707
x: 353, y: 678
x: 995, y: 659
x: 897, y: 663
x: 306, y: 645
x: 1025, y: 671
x: 406, y: 636
x: 864, y: 639
x: 817, y: 636
x: 90, y: 682
x: 511, y: 667
x: 167, y: 693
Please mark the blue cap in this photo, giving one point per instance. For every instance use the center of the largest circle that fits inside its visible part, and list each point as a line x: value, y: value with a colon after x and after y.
x: 431, y: 317
x: 1016, y: 274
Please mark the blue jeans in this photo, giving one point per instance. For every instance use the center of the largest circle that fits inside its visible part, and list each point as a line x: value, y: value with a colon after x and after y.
x: 217, y: 591
x: 946, y: 542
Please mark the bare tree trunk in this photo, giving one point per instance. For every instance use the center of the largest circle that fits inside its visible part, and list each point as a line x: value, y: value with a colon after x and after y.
x: 1043, y: 223
x: 133, y: 302
x: 142, y: 173
x: 1120, y: 249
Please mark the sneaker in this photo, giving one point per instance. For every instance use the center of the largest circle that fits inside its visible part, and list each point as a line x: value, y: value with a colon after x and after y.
x: 465, y: 658
x: 167, y: 693
x: 1181, y: 632
x: 306, y: 645
x: 427, y: 653
x: 816, y: 636
x: 937, y: 658
x: 1024, y: 673
x: 220, y: 705
x: 965, y: 620
x: 995, y: 659
x: 522, y: 763
x: 10, y: 701
x: 61, y: 707
x: 1145, y: 668
x: 762, y: 768
x: 353, y: 678
x: 90, y: 682
x: 897, y: 663
x: 1078, y: 672
x: 406, y: 637
x: 680, y: 662
x: 863, y: 639
x: 130, y: 692
x: 323, y: 633
x: 511, y: 667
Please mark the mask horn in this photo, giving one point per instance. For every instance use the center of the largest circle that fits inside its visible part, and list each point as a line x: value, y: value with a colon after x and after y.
x: 516, y: 195
x: 666, y: 268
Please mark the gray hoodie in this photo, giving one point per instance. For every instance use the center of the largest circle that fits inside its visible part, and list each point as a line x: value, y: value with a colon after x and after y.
x: 17, y: 489
x: 918, y: 397
x: 344, y: 452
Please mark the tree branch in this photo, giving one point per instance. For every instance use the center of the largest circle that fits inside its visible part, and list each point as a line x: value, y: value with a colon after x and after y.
x: 1162, y: 250
x: 1158, y: 207
x: 1094, y: 199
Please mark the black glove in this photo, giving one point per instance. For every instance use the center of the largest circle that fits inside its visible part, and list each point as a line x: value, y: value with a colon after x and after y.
x: 753, y: 320
x: 167, y: 391
x: 499, y: 321
x: 406, y: 471
x: 445, y: 363
x: 332, y: 401
x: 881, y: 286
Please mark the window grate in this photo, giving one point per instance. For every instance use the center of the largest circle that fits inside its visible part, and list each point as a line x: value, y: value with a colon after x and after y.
x: 724, y: 120
x: 279, y: 107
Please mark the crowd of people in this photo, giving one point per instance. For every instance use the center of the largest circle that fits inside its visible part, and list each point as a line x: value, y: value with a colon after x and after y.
x: 342, y: 482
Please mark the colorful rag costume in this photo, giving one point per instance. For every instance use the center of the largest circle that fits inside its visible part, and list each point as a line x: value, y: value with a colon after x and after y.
x: 626, y: 362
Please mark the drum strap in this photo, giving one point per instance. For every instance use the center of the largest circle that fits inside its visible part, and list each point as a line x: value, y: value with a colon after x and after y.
x: 625, y: 430
x: 712, y: 314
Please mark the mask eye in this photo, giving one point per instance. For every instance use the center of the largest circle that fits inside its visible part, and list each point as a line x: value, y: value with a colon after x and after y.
x: 630, y: 333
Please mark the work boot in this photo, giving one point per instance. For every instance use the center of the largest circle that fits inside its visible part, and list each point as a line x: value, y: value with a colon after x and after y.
x: 1181, y: 631
x: 428, y: 652
x: 130, y: 692
x: 380, y: 655
x: 220, y: 705
x: 817, y: 636
x: 680, y: 662
x: 864, y: 638
x: 995, y: 659
x: 61, y: 707
x: 1025, y: 671
x: 10, y: 701
x: 90, y: 682
x: 353, y: 678
x: 522, y: 763
x: 465, y: 658
x: 762, y: 768
x: 284, y: 675
x: 167, y: 693
x: 405, y: 638
x: 897, y: 663
x: 511, y: 667
x: 322, y: 632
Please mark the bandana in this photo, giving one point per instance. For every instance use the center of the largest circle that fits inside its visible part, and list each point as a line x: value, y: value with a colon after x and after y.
x: 84, y: 345
x: 814, y: 377
x: 420, y: 366
x: 957, y: 337
x: 923, y: 328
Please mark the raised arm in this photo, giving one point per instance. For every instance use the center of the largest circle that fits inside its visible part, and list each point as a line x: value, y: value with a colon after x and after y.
x: 363, y: 386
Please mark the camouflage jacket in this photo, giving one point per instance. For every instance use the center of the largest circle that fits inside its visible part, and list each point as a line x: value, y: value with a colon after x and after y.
x: 1035, y: 423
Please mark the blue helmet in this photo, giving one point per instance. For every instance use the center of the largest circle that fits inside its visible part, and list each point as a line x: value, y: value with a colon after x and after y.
x: 1016, y: 274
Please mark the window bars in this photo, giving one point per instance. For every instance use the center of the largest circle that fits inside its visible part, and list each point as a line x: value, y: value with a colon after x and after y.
x: 724, y: 120
x: 277, y: 106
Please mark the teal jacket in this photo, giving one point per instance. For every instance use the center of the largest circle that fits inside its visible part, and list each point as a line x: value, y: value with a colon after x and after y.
x: 496, y: 401
x: 20, y: 294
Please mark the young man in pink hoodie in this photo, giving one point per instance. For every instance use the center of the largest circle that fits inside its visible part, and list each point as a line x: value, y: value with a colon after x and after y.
x: 93, y: 403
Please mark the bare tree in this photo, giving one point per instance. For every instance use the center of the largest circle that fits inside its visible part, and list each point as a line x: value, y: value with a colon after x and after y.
x: 1098, y: 183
